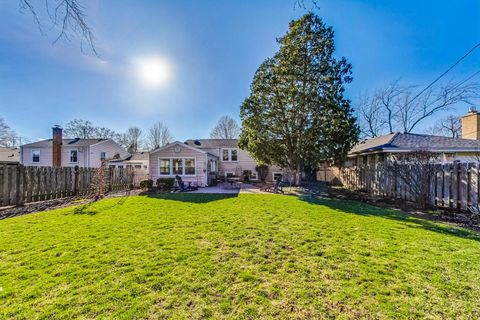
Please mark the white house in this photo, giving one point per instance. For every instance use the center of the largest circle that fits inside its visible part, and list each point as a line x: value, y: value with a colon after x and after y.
x: 59, y: 152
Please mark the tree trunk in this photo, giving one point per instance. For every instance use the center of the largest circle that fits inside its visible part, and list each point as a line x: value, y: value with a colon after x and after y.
x: 310, y: 173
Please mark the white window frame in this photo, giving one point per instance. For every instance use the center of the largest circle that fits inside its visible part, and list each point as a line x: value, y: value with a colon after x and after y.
x: 39, y: 155
x: 274, y: 173
x: 105, y: 158
x: 183, y: 167
x: 230, y: 154
x: 70, y: 155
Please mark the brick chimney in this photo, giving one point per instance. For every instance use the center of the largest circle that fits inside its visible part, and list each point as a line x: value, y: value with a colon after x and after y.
x: 57, y: 146
x: 471, y: 125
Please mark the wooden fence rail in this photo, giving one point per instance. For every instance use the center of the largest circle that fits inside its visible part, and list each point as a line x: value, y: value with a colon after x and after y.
x: 452, y: 185
x: 20, y: 184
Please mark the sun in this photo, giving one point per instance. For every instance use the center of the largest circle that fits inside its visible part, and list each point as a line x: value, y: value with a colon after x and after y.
x: 153, y: 72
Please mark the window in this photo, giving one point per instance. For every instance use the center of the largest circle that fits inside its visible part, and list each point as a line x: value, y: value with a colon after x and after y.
x: 129, y: 165
x: 174, y: 166
x: 164, y: 166
x: 190, y: 166
x: 276, y: 175
x: 111, y: 166
x: 449, y: 156
x: 73, y: 156
x: 233, y: 155
x: 36, y: 156
x: 230, y: 155
x: 103, y: 156
x: 254, y: 175
x: 119, y: 166
x: 229, y: 174
x: 145, y: 167
x: 138, y: 166
x: 177, y: 166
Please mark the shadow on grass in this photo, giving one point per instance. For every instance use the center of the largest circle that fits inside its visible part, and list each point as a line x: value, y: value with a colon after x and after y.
x: 359, y: 208
x: 88, y: 210
x: 194, y: 197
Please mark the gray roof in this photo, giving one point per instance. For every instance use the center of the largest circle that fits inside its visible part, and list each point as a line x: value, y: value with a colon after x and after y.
x: 65, y: 142
x: 138, y: 156
x: 212, y: 143
x: 9, y: 155
x: 411, y: 141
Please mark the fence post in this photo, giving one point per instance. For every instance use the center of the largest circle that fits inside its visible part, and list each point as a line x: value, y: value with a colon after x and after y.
x: 20, y: 183
x: 75, y: 181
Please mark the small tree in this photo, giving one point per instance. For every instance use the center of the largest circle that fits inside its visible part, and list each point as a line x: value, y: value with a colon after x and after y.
x: 415, y: 170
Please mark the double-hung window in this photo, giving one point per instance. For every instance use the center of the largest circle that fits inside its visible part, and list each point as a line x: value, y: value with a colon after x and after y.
x: 230, y: 155
x: 73, y: 156
x: 36, y: 156
x: 103, y: 156
x: 177, y: 166
x: 164, y: 167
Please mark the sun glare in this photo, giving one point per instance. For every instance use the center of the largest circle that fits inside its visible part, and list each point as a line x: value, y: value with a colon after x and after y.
x: 154, y: 72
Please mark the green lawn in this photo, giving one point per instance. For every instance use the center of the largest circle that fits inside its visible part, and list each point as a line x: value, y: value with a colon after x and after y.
x: 199, y: 256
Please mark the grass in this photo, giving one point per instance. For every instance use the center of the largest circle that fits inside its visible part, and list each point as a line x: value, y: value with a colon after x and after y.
x: 270, y: 256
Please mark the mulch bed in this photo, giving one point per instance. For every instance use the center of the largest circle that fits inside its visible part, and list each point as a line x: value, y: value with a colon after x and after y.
x: 461, y: 218
x: 33, y: 207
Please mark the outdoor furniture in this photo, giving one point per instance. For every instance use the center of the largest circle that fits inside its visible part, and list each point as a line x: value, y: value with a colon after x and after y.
x: 274, y: 187
x: 234, y: 182
x: 182, y: 187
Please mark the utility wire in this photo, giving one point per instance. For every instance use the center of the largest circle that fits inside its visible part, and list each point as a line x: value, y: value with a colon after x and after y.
x: 443, y: 74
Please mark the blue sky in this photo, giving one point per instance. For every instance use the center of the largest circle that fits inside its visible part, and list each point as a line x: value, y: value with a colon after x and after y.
x: 213, y: 49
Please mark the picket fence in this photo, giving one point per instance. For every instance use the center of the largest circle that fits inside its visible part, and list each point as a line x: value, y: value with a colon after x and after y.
x: 452, y: 185
x: 20, y: 184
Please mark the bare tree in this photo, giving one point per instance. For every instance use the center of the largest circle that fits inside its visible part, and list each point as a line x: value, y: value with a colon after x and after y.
x: 393, y: 108
x: 67, y: 16
x: 449, y: 126
x: 8, y: 138
x: 133, y: 139
x: 226, y: 128
x: 106, y: 133
x: 78, y: 128
x: 158, y: 136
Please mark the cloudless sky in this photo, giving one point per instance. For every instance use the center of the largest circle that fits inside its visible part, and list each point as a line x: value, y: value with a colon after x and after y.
x: 213, y: 49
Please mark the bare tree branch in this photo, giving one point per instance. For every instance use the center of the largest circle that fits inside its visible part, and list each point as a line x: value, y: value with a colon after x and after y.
x: 68, y: 15
x: 158, y: 136
x: 226, y: 128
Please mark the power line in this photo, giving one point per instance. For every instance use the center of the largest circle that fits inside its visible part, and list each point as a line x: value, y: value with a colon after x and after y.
x: 443, y: 74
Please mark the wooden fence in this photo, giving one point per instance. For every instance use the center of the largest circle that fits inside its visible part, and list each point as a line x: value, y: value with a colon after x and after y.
x: 20, y: 184
x: 451, y: 185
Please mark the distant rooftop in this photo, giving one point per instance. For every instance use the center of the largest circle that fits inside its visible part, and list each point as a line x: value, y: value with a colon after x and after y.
x: 9, y: 155
x: 410, y: 141
x: 212, y: 143
x: 65, y: 142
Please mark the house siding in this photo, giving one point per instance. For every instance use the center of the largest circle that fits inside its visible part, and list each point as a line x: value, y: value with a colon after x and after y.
x: 200, y: 178
x: 110, y: 147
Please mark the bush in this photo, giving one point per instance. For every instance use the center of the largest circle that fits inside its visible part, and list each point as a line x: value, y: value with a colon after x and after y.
x: 262, y: 171
x: 165, y: 184
x: 146, y: 185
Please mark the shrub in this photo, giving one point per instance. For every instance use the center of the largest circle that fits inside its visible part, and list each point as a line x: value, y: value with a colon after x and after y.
x: 146, y: 185
x: 165, y: 184
x: 262, y: 171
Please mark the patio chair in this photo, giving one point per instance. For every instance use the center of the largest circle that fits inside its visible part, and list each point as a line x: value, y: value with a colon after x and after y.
x: 182, y: 187
x: 274, y: 187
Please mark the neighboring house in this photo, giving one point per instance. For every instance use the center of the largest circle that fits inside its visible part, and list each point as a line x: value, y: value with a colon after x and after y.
x: 59, y: 152
x: 201, y: 161
x: 377, y: 150
x: 9, y: 155
x: 138, y: 161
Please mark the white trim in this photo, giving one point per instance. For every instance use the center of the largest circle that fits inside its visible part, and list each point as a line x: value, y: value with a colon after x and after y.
x: 183, y: 166
x: 229, y: 155
x: 70, y: 156
x: 227, y: 172
x: 276, y: 172
x: 177, y: 143
x: 39, y: 156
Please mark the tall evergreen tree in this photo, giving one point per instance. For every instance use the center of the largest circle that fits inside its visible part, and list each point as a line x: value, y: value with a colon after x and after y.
x: 296, y: 115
